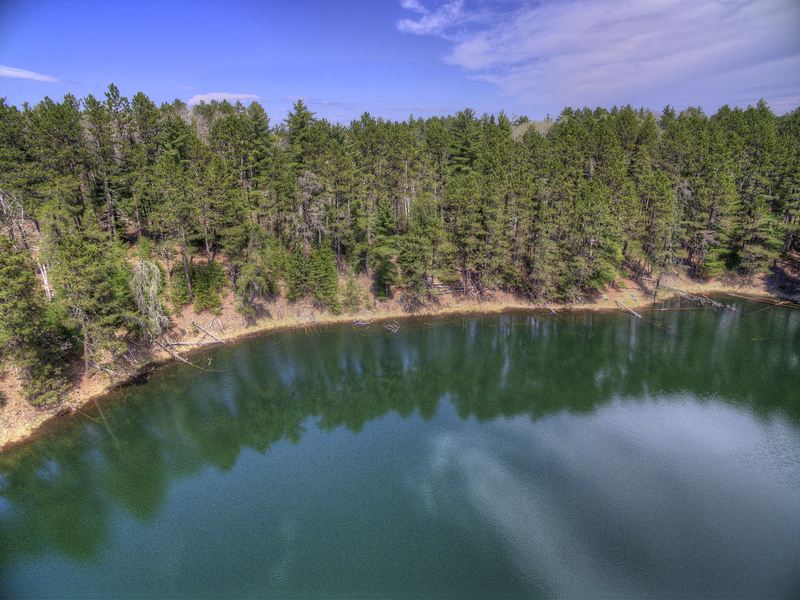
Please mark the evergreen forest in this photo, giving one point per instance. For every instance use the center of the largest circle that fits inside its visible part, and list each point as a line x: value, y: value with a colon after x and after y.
x: 114, y: 212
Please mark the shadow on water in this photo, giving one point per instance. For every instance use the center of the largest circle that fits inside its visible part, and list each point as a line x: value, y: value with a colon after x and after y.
x: 58, y: 495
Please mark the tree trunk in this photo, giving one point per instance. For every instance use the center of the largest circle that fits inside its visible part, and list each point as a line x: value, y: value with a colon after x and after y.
x: 136, y: 208
x: 164, y: 247
x: 209, y: 258
x: 81, y: 192
x: 85, y: 351
x: 186, y: 270
x: 21, y: 226
x: 109, y: 208
x: 45, y: 281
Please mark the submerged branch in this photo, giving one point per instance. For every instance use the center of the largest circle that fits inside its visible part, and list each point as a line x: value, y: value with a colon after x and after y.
x: 548, y: 307
x: 176, y: 356
x: 635, y: 314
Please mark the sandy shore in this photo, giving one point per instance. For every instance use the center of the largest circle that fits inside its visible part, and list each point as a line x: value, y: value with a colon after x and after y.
x: 20, y: 422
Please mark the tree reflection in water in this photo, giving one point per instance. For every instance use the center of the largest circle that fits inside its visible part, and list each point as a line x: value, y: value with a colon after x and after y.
x: 58, y: 494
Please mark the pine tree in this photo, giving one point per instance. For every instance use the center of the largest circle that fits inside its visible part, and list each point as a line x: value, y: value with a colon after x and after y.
x: 354, y: 297
x: 94, y: 289
x: 324, y: 278
x: 298, y: 123
x: 146, y: 130
x: 297, y: 275
x: 30, y: 339
x: 108, y: 138
x: 58, y: 179
x: 464, y: 141
x: 384, y: 250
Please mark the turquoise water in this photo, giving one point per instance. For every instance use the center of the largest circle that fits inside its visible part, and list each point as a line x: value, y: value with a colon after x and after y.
x: 521, y: 455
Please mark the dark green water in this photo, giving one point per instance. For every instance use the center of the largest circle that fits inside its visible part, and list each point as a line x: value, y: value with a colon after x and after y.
x: 512, y: 456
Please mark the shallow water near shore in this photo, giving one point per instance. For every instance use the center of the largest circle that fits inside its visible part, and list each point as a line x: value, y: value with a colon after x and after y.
x: 514, y: 455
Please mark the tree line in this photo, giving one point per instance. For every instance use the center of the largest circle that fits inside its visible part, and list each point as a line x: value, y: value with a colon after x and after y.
x: 115, y: 209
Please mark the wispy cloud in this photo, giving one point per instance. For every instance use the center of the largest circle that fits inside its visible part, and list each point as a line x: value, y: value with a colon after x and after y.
x: 12, y: 73
x: 414, y: 5
x: 436, y: 23
x: 218, y: 96
x: 308, y: 100
x: 602, y: 52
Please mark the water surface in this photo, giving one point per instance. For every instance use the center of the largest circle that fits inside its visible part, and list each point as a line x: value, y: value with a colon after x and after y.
x: 520, y: 455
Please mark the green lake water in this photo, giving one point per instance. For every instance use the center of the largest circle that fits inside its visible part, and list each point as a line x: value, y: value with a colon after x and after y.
x: 520, y: 455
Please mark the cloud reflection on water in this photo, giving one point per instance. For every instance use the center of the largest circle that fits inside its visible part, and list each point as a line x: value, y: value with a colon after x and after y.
x: 632, y: 499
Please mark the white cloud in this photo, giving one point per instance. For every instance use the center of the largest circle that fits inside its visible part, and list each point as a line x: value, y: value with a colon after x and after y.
x: 219, y: 96
x: 414, y: 5
x: 603, y: 52
x: 431, y: 24
x: 12, y: 73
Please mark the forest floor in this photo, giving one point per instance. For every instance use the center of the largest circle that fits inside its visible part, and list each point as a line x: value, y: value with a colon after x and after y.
x: 21, y: 421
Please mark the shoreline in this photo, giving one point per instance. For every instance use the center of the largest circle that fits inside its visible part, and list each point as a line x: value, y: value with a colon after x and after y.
x: 29, y: 422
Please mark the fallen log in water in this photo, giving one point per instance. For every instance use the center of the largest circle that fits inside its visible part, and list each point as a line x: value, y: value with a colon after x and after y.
x: 688, y: 296
x: 785, y: 302
x: 177, y: 356
x: 548, y: 307
x: 630, y: 310
x: 393, y: 326
x: 767, y: 307
x: 789, y: 302
x: 702, y: 299
x: 359, y: 326
x: 637, y: 315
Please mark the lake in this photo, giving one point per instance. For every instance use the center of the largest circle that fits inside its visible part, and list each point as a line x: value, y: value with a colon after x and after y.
x: 514, y: 455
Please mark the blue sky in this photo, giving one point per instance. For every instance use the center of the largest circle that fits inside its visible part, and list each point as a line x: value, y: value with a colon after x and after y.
x: 394, y: 58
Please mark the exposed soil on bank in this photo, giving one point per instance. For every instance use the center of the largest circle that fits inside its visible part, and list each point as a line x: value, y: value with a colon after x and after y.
x: 20, y: 421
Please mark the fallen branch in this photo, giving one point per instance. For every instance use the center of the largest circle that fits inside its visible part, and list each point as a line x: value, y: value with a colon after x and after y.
x: 688, y: 296
x: 630, y: 310
x: 111, y: 433
x: 702, y: 299
x: 361, y: 325
x: 99, y: 368
x: 772, y: 302
x: 788, y: 302
x: 548, y: 307
x: 765, y: 308
x: 211, y: 334
x: 393, y: 326
x: 210, y: 325
x: 679, y: 308
x: 175, y: 356
x: 133, y: 358
x: 634, y: 313
x: 784, y: 303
